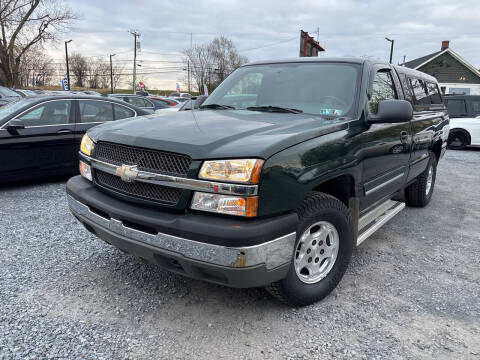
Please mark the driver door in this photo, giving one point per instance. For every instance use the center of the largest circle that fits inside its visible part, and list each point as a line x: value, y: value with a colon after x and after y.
x: 44, y: 147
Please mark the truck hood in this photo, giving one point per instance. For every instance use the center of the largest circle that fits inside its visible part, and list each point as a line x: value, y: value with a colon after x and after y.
x: 209, y: 134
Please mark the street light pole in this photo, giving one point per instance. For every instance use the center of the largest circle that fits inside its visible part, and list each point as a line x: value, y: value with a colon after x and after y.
x: 111, y: 74
x: 391, y: 48
x: 66, y: 58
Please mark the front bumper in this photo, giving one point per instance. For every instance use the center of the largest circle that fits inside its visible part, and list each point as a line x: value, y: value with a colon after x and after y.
x: 255, y: 260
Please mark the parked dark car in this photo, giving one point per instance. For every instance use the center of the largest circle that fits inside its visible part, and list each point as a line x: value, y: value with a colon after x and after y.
x: 140, y: 101
x: 7, y: 95
x: 281, y: 172
x: 40, y: 136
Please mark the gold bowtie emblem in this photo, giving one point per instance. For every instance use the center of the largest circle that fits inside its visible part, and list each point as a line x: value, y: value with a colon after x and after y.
x: 127, y: 173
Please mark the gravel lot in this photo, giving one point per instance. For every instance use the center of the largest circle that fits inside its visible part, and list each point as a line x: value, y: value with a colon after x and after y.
x: 412, y: 290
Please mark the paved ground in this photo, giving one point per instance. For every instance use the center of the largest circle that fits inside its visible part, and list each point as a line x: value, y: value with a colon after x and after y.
x: 411, y: 292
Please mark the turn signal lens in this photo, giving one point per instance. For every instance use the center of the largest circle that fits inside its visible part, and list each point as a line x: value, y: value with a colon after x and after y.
x: 85, y: 170
x: 86, y: 146
x: 225, y: 204
x: 237, y: 171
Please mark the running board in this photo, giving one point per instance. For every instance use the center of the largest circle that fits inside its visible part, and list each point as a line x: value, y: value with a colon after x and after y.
x: 376, y: 218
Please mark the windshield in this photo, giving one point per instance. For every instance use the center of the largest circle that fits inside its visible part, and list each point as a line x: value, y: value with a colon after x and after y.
x: 7, y: 92
x: 13, y: 106
x: 313, y: 88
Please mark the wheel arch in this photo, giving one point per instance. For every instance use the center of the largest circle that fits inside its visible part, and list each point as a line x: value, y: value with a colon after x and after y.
x: 341, y: 187
x: 462, y: 130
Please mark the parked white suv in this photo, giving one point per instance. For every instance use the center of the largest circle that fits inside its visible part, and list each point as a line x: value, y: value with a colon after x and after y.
x: 464, y: 112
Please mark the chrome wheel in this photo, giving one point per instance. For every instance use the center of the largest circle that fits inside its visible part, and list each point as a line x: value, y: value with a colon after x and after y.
x: 429, y: 180
x: 316, y: 252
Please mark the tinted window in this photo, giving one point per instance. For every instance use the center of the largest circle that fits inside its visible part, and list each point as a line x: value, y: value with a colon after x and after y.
x: 434, y: 93
x: 95, y: 111
x: 475, y: 105
x: 50, y: 113
x: 160, y: 104
x: 420, y: 92
x: 121, y: 112
x: 407, y: 88
x: 456, y: 107
x: 140, y: 102
x: 382, y: 89
x: 314, y: 88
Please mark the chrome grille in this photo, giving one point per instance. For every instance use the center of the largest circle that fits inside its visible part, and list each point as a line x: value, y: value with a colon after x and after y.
x: 145, y: 159
x: 138, y: 189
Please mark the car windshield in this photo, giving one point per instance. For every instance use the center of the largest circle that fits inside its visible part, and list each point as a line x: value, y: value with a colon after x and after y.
x: 317, y: 88
x: 13, y: 106
x: 7, y: 92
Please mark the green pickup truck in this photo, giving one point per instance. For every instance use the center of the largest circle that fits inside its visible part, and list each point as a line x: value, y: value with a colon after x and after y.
x: 280, y: 173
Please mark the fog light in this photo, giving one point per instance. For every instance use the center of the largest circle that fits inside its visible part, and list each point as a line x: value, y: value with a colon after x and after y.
x: 225, y: 204
x: 85, y: 170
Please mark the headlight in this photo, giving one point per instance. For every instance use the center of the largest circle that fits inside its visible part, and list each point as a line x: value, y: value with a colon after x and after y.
x: 225, y: 204
x: 86, y: 146
x: 85, y: 170
x: 238, y: 171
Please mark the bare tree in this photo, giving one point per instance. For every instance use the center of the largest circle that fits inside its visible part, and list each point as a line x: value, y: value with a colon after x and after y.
x: 23, y: 24
x: 211, y: 63
x: 79, y: 68
x: 226, y: 58
x: 35, y: 68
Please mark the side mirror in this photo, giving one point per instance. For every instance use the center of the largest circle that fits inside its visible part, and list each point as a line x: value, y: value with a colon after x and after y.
x: 14, y: 125
x: 392, y: 111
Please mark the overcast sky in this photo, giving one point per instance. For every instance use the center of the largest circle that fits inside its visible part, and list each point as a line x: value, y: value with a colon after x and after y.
x: 269, y: 29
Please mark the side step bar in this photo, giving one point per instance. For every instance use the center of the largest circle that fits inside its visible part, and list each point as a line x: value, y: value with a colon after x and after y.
x: 376, y: 218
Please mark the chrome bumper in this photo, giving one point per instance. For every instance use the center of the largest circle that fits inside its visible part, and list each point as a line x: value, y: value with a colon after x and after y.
x: 272, y: 253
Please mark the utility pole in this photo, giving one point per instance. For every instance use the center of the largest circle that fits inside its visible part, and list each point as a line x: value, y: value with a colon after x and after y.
x: 391, y: 48
x: 111, y: 73
x: 68, y: 69
x: 188, y: 65
x: 135, y: 35
x: 404, y: 57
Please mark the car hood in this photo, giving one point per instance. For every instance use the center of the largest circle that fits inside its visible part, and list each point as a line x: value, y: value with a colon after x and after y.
x: 209, y: 134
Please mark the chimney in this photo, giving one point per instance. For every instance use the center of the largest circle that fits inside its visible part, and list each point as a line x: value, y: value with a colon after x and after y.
x: 445, y: 44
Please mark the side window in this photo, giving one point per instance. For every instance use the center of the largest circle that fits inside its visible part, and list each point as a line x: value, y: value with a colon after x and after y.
x: 121, y: 112
x: 50, y: 113
x: 420, y: 92
x: 475, y: 107
x: 383, y: 88
x: 434, y: 93
x: 456, y: 107
x: 407, y: 88
x: 137, y: 101
x: 95, y: 111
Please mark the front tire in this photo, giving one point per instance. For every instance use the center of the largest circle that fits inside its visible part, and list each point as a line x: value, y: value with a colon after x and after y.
x: 323, y: 250
x: 420, y: 192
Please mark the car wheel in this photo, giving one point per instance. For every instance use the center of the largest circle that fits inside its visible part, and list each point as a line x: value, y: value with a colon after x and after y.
x: 457, y: 140
x: 322, y: 252
x: 420, y: 192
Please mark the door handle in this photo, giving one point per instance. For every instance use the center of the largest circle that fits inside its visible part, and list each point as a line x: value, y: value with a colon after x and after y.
x: 64, y: 132
x: 403, y: 136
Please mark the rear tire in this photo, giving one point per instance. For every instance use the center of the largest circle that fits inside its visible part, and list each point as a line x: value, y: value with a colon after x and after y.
x: 457, y: 140
x: 420, y: 192
x: 322, y: 251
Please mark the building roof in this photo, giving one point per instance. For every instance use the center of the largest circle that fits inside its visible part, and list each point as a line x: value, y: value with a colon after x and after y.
x: 419, y: 62
x: 413, y: 64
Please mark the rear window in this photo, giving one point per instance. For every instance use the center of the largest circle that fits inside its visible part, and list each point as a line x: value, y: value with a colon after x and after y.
x: 475, y: 107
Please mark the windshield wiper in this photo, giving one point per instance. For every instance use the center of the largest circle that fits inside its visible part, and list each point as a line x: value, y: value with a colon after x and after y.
x: 217, y: 106
x: 271, y: 108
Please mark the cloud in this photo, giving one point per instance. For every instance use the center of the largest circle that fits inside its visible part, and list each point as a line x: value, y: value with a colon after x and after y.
x: 269, y: 29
